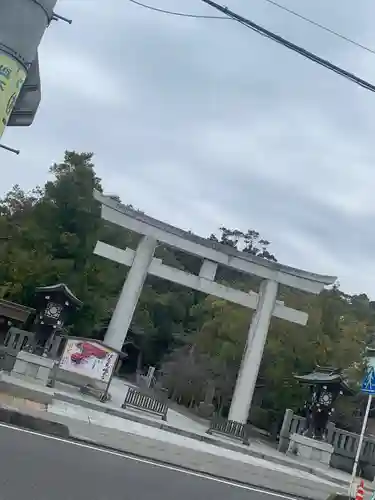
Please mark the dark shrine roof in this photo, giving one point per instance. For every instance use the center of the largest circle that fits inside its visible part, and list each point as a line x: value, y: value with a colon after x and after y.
x: 62, y: 288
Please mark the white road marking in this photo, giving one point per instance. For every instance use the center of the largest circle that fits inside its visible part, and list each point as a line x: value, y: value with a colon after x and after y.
x: 149, y: 462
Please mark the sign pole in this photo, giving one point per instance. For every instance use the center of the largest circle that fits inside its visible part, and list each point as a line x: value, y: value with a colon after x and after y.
x: 356, y: 460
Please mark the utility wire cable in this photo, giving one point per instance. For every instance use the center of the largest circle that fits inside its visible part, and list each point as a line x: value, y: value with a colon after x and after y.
x: 296, y: 48
x: 321, y: 26
x: 262, y: 31
x: 272, y: 2
x: 180, y: 14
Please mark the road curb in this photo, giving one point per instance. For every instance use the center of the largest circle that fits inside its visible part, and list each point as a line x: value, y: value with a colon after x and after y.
x: 203, y: 471
x: 19, y: 419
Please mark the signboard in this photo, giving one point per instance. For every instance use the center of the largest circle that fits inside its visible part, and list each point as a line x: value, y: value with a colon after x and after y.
x: 88, y: 358
x: 368, y: 387
x: 28, y: 101
x: 12, y: 77
x: 368, y: 384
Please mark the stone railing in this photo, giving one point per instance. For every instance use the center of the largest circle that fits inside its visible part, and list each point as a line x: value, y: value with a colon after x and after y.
x: 18, y: 340
x: 54, y: 346
x: 15, y: 341
x: 344, y: 443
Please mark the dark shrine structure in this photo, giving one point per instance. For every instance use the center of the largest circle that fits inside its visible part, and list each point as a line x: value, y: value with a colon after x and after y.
x: 326, y: 384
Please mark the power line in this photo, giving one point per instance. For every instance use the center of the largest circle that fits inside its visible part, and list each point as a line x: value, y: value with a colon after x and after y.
x: 229, y: 15
x: 276, y: 38
x: 272, y: 2
x: 321, y: 26
x: 180, y: 14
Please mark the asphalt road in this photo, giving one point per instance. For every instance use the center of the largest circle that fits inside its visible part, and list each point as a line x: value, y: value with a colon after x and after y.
x: 35, y: 467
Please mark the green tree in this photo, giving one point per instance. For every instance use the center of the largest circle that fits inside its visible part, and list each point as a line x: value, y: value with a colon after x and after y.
x: 249, y: 242
x: 52, y: 233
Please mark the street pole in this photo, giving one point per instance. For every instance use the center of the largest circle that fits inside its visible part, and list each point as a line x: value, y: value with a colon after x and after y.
x: 22, y: 26
x: 359, y: 449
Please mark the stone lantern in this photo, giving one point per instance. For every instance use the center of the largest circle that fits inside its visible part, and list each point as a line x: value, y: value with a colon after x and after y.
x: 55, y: 306
x: 315, y: 443
x: 326, y: 385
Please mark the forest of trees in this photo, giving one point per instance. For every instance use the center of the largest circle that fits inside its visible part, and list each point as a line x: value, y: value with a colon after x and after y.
x: 47, y: 236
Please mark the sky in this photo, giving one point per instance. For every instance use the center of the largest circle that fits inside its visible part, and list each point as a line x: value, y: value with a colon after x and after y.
x: 203, y: 123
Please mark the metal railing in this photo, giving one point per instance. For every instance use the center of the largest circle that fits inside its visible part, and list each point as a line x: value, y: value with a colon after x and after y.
x: 229, y: 428
x: 138, y: 400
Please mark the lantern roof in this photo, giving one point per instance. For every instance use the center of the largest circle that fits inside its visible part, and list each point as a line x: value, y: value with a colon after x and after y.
x: 60, y: 288
x: 326, y: 375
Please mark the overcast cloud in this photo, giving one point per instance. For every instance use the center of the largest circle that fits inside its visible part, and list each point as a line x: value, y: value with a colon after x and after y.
x: 204, y: 123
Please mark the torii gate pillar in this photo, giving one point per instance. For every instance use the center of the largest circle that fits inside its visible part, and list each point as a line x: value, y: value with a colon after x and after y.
x: 130, y: 293
x: 253, y: 353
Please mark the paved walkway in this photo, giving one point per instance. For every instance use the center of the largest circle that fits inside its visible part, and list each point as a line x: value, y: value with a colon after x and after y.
x: 118, y: 390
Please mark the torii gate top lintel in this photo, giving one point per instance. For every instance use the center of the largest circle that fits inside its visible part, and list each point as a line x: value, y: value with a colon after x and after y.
x: 224, y: 255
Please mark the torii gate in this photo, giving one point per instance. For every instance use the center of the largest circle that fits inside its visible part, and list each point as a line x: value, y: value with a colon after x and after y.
x: 142, y: 261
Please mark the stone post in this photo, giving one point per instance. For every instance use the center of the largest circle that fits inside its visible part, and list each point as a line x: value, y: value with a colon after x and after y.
x: 285, y: 431
x: 330, y: 430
